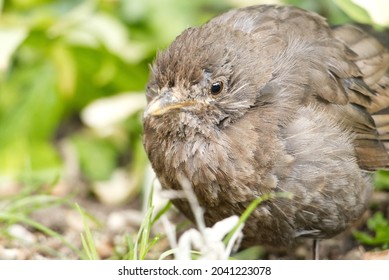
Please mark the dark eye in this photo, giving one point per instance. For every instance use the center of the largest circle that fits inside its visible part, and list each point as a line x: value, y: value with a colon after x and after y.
x: 216, y: 88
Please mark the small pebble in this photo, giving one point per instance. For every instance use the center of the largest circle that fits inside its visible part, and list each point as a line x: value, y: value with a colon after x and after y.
x: 119, y: 221
x: 21, y: 233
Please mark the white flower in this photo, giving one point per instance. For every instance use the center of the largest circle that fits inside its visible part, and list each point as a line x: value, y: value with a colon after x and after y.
x: 209, y: 243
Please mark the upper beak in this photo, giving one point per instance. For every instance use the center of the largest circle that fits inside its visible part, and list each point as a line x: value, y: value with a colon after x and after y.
x: 164, y: 103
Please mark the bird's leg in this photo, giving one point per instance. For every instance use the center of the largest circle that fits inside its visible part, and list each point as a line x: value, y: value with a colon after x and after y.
x: 315, y: 249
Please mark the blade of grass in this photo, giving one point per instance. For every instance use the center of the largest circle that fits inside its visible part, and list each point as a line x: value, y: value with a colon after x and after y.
x: 88, y: 243
x: 245, y: 215
x: 153, y: 242
x: 17, y: 218
x: 27, y: 205
x: 145, y: 234
x: 167, y: 254
x: 162, y: 212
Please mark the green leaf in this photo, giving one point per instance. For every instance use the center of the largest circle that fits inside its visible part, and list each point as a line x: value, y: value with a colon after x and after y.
x: 381, y: 179
x: 380, y: 226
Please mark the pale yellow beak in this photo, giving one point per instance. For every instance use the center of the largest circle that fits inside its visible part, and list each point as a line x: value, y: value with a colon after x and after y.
x: 165, y: 103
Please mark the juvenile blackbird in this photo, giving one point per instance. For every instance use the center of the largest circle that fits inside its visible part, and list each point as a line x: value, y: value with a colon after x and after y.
x: 268, y: 99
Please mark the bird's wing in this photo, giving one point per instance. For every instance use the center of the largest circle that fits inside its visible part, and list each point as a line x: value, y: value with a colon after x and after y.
x: 371, y: 91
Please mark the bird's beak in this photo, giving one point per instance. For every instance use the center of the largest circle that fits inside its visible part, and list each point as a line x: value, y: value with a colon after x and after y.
x: 163, y: 104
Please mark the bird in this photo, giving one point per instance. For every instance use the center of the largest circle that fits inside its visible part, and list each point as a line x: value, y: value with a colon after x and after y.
x: 271, y: 99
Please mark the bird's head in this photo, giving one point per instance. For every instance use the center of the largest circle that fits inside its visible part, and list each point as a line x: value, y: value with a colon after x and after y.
x: 203, y: 82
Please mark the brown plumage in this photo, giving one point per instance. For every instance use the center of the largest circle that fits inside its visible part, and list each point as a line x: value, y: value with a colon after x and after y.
x: 270, y: 99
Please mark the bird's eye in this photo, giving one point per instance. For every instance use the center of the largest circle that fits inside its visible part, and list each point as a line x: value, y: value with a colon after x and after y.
x: 216, y: 88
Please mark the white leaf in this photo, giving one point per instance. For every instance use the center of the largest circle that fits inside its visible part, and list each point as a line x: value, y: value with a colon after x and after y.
x: 10, y: 39
x: 104, y: 113
x: 377, y: 9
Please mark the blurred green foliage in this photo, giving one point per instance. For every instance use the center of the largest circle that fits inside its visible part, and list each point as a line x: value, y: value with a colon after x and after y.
x: 56, y: 57
x: 67, y: 54
x: 379, y: 232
